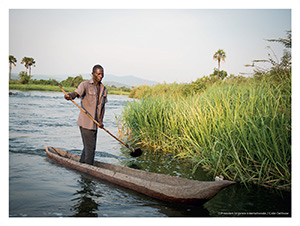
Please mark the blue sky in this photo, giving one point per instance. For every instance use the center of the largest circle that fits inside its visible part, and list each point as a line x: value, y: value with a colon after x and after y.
x: 173, y: 45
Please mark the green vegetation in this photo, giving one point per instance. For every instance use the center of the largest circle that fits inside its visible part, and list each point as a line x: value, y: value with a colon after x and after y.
x: 238, y: 127
x: 26, y: 83
x: 38, y: 87
x: 241, y: 131
x: 189, y: 89
x: 24, y: 77
x: 219, y: 56
x: 72, y: 82
x: 28, y: 63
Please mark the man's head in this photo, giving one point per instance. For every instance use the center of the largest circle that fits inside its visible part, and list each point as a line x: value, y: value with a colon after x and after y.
x: 98, y: 73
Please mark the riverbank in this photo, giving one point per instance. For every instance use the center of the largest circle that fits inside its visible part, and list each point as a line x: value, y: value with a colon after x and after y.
x: 38, y: 87
x: 240, y: 130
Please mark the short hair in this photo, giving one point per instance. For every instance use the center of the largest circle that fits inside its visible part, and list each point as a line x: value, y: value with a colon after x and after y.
x: 97, y: 66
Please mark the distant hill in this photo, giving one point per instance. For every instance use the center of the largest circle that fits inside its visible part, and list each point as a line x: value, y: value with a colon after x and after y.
x: 129, y: 80
x: 116, y: 84
x: 118, y: 81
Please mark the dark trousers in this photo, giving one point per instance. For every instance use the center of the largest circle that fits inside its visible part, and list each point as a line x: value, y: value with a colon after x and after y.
x: 89, y: 139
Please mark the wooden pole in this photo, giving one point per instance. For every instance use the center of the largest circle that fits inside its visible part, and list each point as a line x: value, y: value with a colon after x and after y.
x: 97, y: 123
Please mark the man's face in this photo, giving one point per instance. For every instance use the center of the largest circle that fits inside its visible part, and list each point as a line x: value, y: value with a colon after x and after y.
x: 98, y: 75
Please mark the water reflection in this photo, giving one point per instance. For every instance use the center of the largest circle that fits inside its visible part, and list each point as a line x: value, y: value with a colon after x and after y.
x: 164, y: 163
x: 85, y: 205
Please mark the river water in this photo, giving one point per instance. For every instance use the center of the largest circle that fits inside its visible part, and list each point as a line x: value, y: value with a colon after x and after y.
x: 38, y: 187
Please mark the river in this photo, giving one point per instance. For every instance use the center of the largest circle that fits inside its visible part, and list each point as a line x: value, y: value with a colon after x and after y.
x: 38, y: 187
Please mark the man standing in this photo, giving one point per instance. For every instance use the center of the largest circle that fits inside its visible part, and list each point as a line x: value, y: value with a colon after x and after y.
x: 93, y: 96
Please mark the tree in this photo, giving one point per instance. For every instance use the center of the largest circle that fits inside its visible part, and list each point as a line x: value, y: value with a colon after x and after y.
x: 24, y: 77
x: 199, y: 85
x: 278, y: 67
x: 28, y: 62
x: 287, y: 42
x: 72, y: 82
x: 218, y: 56
x: 67, y: 82
x: 31, y: 63
x: 219, y: 74
x: 284, y: 66
x: 25, y: 62
x: 77, y: 80
x: 12, y: 61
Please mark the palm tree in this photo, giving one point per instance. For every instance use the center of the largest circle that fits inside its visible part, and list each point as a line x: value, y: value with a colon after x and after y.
x: 25, y: 62
x: 219, y: 55
x: 28, y: 61
x: 12, y: 61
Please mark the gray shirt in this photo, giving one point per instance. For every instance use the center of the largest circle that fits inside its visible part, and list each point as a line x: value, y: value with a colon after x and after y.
x: 87, y: 91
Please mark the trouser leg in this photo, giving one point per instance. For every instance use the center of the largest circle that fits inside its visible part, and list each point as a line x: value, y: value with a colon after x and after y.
x: 89, y: 139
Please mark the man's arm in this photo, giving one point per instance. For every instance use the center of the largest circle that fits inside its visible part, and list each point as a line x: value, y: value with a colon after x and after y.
x: 71, y: 96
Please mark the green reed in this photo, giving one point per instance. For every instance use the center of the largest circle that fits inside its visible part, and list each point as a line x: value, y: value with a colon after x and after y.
x: 241, y: 131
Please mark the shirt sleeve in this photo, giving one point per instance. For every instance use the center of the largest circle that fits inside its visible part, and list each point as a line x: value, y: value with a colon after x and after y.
x: 106, y: 100
x: 80, y: 90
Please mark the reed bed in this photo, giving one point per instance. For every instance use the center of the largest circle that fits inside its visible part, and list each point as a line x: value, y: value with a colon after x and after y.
x: 241, y: 131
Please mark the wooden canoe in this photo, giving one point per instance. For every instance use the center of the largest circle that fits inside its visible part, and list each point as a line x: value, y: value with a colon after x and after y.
x: 159, y: 186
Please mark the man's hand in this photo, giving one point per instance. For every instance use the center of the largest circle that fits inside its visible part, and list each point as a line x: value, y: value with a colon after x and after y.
x: 71, y: 96
x: 101, y: 125
x: 67, y: 97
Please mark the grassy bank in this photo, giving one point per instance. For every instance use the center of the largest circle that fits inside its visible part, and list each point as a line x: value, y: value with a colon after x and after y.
x: 52, y: 88
x: 31, y: 87
x: 239, y: 130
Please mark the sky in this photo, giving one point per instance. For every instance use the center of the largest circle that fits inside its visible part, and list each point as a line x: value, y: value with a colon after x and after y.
x: 164, y: 45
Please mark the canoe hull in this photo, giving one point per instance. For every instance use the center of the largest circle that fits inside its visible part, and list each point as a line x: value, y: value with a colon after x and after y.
x: 163, y: 187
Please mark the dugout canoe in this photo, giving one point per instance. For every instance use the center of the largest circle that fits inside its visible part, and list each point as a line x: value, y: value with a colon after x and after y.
x: 159, y: 186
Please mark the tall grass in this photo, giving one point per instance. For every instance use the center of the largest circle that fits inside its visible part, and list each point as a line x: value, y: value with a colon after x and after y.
x: 174, y: 89
x: 241, y: 131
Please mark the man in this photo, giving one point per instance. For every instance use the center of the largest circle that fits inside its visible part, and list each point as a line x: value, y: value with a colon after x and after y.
x: 93, y: 96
